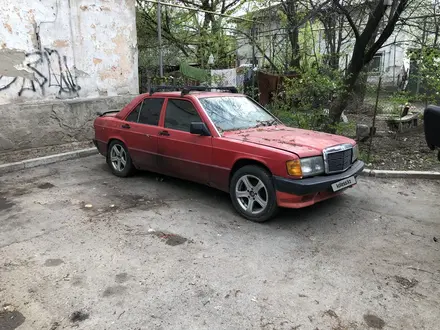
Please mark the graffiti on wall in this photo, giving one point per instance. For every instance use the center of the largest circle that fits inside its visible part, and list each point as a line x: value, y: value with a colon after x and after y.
x: 49, y: 69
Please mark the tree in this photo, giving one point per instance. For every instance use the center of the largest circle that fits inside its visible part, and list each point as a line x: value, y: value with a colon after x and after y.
x: 197, y: 31
x: 382, y: 19
x: 148, y: 45
x: 291, y: 18
x: 290, y: 8
x: 297, y: 14
x: 336, y: 31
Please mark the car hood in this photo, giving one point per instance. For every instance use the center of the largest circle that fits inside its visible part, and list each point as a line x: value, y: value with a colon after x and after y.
x: 302, y: 142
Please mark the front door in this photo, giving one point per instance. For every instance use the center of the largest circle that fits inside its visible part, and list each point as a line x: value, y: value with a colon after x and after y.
x: 141, y: 132
x: 182, y: 154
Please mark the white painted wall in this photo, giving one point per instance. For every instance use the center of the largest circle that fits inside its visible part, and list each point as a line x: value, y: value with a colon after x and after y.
x: 394, y: 58
x: 60, y: 49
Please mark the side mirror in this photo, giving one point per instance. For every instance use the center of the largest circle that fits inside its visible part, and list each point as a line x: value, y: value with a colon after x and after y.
x: 199, y: 128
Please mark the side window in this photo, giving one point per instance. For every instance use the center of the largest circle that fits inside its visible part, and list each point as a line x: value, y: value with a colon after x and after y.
x: 179, y: 115
x: 150, y: 112
x: 134, y: 114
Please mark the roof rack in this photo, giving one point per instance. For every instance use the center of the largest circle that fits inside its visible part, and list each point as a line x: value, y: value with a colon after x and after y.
x: 155, y: 89
x: 230, y: 89
x: 186, y: 90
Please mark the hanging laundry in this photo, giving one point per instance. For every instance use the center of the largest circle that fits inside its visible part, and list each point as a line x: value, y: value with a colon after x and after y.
x: 225, y: 77
x: 240, y: 80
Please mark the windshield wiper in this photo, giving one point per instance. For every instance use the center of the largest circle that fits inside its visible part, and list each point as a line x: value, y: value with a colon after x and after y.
x: 269, y: 122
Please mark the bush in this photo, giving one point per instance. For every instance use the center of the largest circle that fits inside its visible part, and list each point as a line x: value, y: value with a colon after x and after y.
x: 303, y: 101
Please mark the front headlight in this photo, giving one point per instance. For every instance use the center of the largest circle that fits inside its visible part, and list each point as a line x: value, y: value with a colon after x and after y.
x: 306, y: 166
x: 355, y: 154
x: 312, y: 166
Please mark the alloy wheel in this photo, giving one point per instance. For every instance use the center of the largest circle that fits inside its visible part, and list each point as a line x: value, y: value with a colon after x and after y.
x: 251, y: 194
x: 118, y: 157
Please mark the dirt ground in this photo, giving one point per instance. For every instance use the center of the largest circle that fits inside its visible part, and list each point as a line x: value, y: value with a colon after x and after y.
x: 80, y: 248
x: 395, y: 151
x: 403, y: 151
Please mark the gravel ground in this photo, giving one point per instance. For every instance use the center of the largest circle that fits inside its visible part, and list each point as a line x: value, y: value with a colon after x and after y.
x: 82, y: 248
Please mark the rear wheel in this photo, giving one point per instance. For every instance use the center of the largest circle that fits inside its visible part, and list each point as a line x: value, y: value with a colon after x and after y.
x: 253, y: 194
x: 119, y: 160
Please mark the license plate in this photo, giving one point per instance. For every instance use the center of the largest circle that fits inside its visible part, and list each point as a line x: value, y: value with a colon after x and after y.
x: 344, y: 183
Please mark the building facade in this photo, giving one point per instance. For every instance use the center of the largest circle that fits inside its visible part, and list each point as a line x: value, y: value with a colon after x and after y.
x: 63, y: 52
x: 60, y: 49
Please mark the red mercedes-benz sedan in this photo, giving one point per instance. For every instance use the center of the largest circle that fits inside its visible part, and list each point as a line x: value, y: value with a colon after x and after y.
x: 230, y: 142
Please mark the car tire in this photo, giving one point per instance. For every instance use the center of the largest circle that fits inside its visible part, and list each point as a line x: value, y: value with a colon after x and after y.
x: 117, y: 155
x: 253, y: 184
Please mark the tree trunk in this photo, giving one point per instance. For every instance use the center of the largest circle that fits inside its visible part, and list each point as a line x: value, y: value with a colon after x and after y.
x: 360, y: 87
x: 294, y: 44
x: 332, y: 58
x: 351, y: 77
x: 290, y: 9
x: 359, y: 90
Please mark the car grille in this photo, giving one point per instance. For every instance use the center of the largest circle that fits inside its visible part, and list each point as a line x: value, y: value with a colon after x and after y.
x: 338, y: 160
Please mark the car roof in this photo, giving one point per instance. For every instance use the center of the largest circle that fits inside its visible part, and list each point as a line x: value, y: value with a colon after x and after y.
x: 121, y: 114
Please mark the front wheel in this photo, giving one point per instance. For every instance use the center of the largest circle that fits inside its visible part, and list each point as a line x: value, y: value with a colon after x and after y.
x: 253, y: 194
x: 119, y: 160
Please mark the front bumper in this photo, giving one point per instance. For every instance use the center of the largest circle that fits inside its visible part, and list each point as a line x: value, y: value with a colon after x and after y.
x: 301, y: 187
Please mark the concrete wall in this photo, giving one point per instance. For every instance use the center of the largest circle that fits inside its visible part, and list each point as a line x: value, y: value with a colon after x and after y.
x: 63, y: 49
x: 38, y: 124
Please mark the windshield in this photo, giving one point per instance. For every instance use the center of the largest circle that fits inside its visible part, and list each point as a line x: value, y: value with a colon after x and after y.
x: 235, y: 112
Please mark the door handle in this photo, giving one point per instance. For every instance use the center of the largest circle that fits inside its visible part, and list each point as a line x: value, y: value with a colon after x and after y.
x: 164, y: 133
x: 125, y: 126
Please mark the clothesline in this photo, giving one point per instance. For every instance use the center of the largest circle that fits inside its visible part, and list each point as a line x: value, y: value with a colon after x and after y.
x: 218, y: 77
x: 268, y: 84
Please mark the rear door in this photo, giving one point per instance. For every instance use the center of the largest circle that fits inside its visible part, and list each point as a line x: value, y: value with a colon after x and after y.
x: 181, y: 153
x: 141, y: 131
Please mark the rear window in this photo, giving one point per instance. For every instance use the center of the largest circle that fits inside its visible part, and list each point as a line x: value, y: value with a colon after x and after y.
x: 134, y: 115
x: 147, y: 112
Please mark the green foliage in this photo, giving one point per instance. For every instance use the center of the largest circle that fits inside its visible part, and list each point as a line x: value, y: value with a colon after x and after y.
x: 307, y: 120
x: 398, y: 100
x: 304, y: 99
x: 429, y: 67
x: 148, y: 44
x: 400, y: 97
x: 346, y: 129
x: 308, y: 39
x: 186, y: 34
x: 170, y: 81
